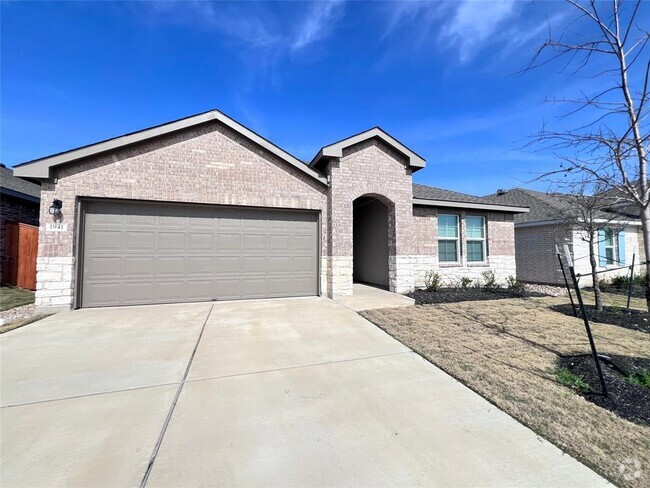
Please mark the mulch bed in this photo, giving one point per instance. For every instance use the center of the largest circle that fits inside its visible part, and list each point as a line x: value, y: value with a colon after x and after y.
x: 454, y: 295
x: 625, y: 399
x: 637, y: 291
x: 630, y: 319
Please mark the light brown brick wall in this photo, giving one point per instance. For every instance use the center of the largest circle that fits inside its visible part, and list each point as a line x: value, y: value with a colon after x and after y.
x: 207, y: 164
x: 500, y: 244
x: 214, y: 165
x: 535, y: 252
x: 368, y: 168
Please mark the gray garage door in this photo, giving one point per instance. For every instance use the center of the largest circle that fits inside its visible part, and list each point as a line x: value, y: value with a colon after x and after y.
x: 140, y: 253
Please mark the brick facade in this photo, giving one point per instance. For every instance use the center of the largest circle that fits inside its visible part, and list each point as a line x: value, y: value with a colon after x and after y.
x: 537, y: 258
x: 213, y: 164
x: 499, y: 247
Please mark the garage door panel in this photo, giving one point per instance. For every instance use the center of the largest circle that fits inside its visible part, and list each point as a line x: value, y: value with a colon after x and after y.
x: 280, y: 286
x: 171, y: 241
x: 174, y: 217
x: 252, y: 221
x: 279, y: 264
x: 302, y: 286
x: 170, y: 265
x: 140, y: 291
x: 278, y: 223
x: 229, y: 242
x: 139, y: 266
x: 255, y: 265
x: 170, y: 291
x: 200, y: 290
x: 200, y: 266
x: 106, y: 240
x: 103, y: 267
x: 228, y: 265
x: 303, y: 243
x: 255, y: 242
x: 254, y: 287
x: 104, y: 294
x: 200, y: 241
x: 138, y: 253
x: 140, y: 241
x: 229, y: 288
x: 144, y: 216
x: 279, y: 243
x: 302, y: 264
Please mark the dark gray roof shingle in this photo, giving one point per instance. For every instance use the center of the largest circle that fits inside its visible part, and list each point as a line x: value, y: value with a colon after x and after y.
x: 426, y: 192
x: 10, y: 182
x: 543, y: 206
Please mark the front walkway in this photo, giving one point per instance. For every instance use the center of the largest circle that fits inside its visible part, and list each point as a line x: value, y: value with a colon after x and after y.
x: 292, y: 392
x: 366, y: 297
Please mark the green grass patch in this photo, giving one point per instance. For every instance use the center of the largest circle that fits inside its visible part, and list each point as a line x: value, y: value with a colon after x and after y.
x: 12, y: 296
x: 641, y: 379
x: 567, y: 378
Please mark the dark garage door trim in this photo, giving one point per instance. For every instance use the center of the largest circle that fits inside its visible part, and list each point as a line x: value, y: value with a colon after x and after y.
x: 82, y: 211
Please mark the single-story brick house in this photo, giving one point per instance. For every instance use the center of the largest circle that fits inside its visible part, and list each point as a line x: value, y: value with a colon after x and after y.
x: 538, y: 232
x: 203, y: 208
x: 20, y: 201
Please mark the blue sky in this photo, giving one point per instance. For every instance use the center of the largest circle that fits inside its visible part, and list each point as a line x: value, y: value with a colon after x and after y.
x: 439, y: 76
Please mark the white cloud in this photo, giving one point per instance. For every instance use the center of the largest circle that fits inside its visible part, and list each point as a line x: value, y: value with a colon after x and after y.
x: 257, y: 26
x: 473, y: 23
x: 465, y: 27
x: 315, y: 26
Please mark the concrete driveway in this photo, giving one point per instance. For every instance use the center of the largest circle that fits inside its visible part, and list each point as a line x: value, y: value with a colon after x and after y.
x: 295, y: 392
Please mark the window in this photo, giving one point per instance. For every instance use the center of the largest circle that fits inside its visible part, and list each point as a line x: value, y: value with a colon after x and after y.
x: 609, y: 244
x: 475, y: 238
x: 448, y: 238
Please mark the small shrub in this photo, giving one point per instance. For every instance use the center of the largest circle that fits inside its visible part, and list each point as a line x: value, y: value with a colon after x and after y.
x: 619, y: 282
x: 641, y: 379
x: 640, y: 280
x: 567, y: 378
x: 465, y: 282
x: 432, y: 281
x: 515, y: 285
x: 489, y: 280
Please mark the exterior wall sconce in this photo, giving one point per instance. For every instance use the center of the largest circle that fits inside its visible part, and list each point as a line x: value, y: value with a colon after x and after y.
x: 55, y: 209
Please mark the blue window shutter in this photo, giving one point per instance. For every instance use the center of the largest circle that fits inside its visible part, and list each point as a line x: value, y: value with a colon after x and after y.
x: 602, y: 260
x: 621, y: 248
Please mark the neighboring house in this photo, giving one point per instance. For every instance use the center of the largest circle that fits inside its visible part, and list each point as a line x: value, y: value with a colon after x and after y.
x: 19, y: 202
x: 205, y: 209
x: 539, y: 232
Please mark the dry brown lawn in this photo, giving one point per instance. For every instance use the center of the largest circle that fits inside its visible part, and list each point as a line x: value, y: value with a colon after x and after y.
x: 506, y: 350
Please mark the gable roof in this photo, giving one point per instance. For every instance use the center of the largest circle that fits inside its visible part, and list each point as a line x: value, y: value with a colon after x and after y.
x: 335, y: 150
x: 18, y: 187
x: 439, y: 197
x: 40, y: 168
x: 544, y: 207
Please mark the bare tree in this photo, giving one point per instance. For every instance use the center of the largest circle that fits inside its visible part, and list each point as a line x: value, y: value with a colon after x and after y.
x: 588, y: 211
x: 610, y: 149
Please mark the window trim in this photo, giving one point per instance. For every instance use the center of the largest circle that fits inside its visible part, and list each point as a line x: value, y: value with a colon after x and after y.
x: 452, y: 239
x: 615, y: 251
x: 483, y: 240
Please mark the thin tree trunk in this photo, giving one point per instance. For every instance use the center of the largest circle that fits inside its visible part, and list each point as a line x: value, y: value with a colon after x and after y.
x: 598, y: 299
x: 645, y: 228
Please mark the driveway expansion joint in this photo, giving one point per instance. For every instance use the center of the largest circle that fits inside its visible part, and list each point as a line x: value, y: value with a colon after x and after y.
x: 86, y: 395
x: 299, y: 366
x: 154, y: 454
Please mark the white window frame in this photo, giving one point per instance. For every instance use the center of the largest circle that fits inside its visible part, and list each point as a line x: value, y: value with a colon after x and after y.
x: 614, y: 247
x: 456, y: 239
x: 483, y: 239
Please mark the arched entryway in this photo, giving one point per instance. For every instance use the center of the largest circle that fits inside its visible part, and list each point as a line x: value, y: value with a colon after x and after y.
x: 370, y: 241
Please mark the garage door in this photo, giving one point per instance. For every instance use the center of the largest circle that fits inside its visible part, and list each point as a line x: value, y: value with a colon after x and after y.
x: 141, y: 253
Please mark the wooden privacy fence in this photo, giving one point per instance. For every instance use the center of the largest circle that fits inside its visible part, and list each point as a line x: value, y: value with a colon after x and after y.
x: 21, y: 248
